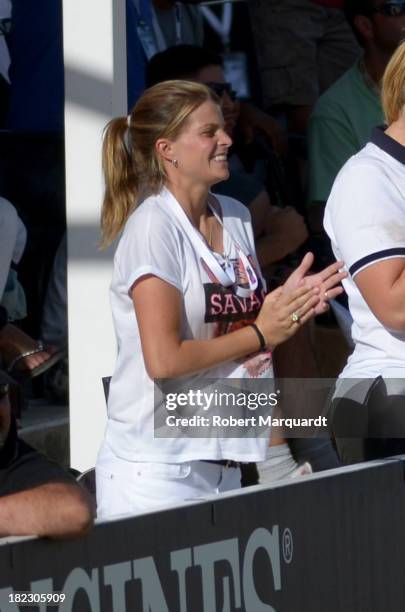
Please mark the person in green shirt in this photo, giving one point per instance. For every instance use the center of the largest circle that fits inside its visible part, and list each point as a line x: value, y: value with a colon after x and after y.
x: 344, y: 116
x: 340, y: 125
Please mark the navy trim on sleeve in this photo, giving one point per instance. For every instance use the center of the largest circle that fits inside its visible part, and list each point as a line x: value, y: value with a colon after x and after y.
x: 378, y: 256
x: 388, y: 144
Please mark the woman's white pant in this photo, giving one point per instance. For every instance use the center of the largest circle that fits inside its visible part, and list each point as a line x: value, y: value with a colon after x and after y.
x: 134, y: 487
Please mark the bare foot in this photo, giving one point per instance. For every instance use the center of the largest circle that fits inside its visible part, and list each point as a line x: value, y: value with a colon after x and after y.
x: 14, y: 342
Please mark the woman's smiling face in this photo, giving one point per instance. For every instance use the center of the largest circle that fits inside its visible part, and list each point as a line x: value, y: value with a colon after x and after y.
x: 201, y: 149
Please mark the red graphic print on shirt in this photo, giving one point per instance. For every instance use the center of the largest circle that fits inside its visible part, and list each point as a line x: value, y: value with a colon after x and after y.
x: 230, y: 312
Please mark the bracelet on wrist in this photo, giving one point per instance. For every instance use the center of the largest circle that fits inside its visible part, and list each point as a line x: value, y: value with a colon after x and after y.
x: 262, y: 340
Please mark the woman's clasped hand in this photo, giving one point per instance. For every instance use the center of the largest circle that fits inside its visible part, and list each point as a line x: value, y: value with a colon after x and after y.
x: 282, y: 312
x: 327, y: 281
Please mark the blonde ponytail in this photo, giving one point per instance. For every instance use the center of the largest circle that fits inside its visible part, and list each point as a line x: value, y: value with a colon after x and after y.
x: 121, y: 180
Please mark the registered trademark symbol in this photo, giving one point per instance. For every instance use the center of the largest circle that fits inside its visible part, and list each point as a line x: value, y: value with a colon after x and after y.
x: 288, y: 545
x: 278, y: 391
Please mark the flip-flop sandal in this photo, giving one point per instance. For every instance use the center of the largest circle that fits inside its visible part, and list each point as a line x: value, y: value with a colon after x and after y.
x: 21, y: 375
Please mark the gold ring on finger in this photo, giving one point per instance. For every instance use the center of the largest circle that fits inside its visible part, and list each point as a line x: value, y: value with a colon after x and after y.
x: 295, y: 317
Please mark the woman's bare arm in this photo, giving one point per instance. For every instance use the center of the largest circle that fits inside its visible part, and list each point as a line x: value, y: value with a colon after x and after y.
x: 158, y: 307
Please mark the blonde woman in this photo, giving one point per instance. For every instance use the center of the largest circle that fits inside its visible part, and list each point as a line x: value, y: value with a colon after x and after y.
x: 187, y: 296
x: 365, y: 219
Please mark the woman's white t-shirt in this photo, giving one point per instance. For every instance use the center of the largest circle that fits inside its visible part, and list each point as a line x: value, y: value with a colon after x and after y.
x: 154, y: 242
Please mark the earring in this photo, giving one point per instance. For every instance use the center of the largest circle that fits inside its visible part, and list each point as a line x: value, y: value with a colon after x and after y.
x: 175, y: 163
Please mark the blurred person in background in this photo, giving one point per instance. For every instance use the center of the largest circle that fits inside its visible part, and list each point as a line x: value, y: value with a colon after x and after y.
x: 153, y: 26
x: 22, y: 356
x: 302, y: 47
x: 37, y: 497
x: 345, y: 115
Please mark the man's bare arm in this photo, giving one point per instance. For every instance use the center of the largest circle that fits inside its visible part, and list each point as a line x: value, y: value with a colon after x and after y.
x: 56, y: 510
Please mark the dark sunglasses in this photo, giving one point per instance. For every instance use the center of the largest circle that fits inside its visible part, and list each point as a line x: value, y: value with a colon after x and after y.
x: 394, y: 8
x: 221, y: 88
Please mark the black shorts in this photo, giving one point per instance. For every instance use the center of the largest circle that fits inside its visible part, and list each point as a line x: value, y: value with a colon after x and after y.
x: 22, y: 467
